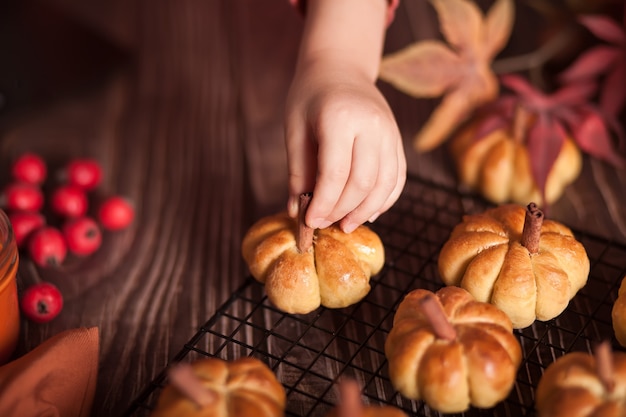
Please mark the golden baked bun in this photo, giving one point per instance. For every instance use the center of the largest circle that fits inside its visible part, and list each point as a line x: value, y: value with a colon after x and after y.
x: 486, y: 255
x: 244, y: 387
x: 573, y: 386
x: 618, y: 314
x: 465, y: 355
x: 335, y: 272
x: 498, y: 165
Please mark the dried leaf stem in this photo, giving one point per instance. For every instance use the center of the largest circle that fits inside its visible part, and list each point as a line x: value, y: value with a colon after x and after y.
x: 304, y: 236
x: 433, y: 311
x: 521, y: 123
x: 532, y: 228
x: 183, y: 378
x: 535, y: 60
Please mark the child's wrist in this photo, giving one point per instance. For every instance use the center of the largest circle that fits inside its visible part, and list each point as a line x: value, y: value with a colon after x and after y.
x: 336, y: 63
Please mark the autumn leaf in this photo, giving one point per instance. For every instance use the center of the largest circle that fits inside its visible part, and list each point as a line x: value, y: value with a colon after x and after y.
x: 458, y: 69
x: 607, y: 60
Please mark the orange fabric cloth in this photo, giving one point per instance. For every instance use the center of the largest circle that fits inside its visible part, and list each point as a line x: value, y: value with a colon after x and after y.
x: 56, y: 379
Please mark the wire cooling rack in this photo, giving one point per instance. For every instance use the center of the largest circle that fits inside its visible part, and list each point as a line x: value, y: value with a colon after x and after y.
x: 309, y: 353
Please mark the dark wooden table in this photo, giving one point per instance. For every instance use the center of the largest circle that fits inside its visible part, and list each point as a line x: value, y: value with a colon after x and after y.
x: 182, y: 102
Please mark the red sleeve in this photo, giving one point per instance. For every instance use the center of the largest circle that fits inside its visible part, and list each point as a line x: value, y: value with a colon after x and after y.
x: 391, y: 10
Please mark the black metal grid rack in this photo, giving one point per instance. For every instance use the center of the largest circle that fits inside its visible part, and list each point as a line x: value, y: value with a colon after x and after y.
x: 310, y: 352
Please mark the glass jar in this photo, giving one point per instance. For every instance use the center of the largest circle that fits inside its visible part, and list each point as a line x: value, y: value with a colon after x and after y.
x: 9, y: 304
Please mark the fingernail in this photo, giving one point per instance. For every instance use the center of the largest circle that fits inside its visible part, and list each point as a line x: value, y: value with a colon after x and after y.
x: 349, y: 227
x: 374, y: 217
x: 319, y: 223
x: 292, y: 206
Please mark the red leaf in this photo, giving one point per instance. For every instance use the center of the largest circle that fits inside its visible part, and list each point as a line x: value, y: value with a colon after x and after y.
x: 529, y: 94
x: 574, y: 93
x: 495, y: 115
x: 489, y: 124
x: 613, y: 93
x: 592, y: 63
x: 604, y: 28
x: 545, y: 138
x: 593, y: 137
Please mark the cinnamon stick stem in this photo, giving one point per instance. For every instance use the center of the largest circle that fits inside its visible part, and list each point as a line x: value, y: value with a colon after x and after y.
x: 532, y: 228
x: 304, y: 237
x: 433, y: 311
x: 604, y: 364
x: 350, y: 399
x: 182, y: 377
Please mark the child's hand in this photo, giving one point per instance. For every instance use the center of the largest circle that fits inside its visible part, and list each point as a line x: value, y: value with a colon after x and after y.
x: 343, y: 144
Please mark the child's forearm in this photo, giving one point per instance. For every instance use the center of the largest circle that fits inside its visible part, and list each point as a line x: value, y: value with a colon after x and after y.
x: 344, y: 34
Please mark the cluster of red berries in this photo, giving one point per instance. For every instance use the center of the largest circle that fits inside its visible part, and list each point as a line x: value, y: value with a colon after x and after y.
x: 74, y: 230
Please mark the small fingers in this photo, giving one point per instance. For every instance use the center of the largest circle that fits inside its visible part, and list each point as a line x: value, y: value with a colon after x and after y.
x: 334, y: 165
x: 389, y: 185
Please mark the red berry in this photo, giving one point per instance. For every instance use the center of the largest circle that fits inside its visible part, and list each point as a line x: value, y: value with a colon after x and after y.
x: 21, y: 196
x: 82, y: 235
x: 29, y: 168
x: 24, y: 223
x: 47, y: 247
x: 41, y: 302
x: 69, y: 201
x: 84, y: 173
x: 116, y: 213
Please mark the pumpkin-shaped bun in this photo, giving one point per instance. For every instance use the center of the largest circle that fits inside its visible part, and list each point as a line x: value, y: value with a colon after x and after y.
x: 618, y: 314
x: 244, y: 387
x: 574, y: 386
x: 498, y: 165
x: 334, y: 272
x: 468, y: 356
x: 486, y: 255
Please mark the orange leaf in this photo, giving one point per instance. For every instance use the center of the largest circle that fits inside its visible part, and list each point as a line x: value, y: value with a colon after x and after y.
x: 498, y: 27
x: 461, y: 70
x: 461, y: 23
x: 441, y: 122
x: 452, y: 111
x: 424, y: 69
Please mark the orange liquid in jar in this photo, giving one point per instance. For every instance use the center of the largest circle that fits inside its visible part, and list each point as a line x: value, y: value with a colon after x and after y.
x: 9, y: 305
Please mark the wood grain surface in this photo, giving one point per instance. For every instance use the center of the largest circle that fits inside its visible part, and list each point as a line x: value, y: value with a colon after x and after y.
x: 189, y: 126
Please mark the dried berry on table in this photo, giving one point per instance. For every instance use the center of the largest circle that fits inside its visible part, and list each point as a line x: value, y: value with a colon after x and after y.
x: 82, y: 235
x: 21, y: 196
x: 41, y: 302
x: 69, y: 201
x: 47, y: 247
x: 85, y: 173
x: 30, y: 168
x: 116, y: 213
x: 24, y: 223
